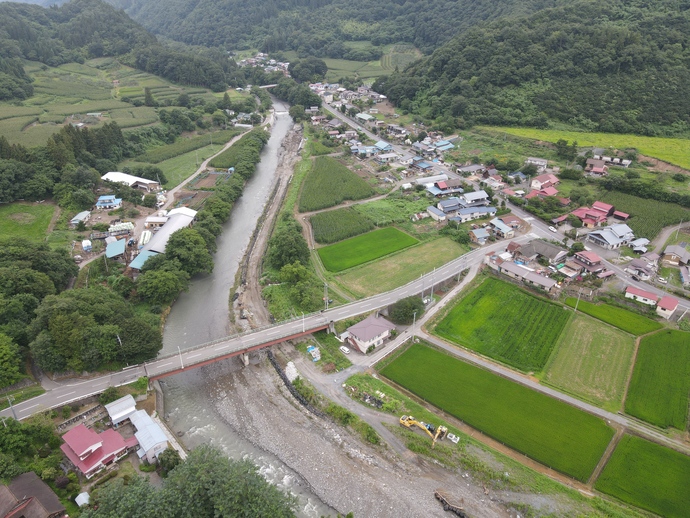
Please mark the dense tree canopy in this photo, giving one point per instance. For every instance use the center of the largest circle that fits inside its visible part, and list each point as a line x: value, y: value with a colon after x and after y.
x: 206, y: 485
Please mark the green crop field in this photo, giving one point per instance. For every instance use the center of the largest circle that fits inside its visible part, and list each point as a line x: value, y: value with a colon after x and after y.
x: 401, y: 268
x: 335, y: 225
x: 29, y: 221
x: 660, y: 384
x: 330, y: 183
x: 673, y: 150
x: 364, y: 248
x: 505, y: 322
x: 185, y: 145
x: 545, y: 429
x: 648, y: 217
x: 392, y: 209
x: 649, y: 476
x: 618, y: 317
x: 592, y: 360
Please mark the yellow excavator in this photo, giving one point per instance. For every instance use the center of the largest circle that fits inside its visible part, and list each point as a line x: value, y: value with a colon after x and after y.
x: 435, y: 432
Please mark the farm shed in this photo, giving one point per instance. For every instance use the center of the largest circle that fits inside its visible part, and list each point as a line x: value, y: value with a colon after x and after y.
x: 82, y: 217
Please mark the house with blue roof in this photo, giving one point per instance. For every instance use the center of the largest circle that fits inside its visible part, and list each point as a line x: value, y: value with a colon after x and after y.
x: 470, y: 213
x: 108, y: 201
x: 384, y: 147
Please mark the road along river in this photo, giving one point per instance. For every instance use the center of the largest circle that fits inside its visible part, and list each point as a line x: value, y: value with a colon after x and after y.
x: 200, y: 315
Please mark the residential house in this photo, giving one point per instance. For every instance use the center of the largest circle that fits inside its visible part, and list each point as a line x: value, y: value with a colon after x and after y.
x: 364, y: 117
x: 542, y: 193
x: 108, y: 201
x: 318, y: 119
x: 640, y: 295
x: 494, y: 181
x: 431, y: 180
x: 666, y: 307
x: 474, y: 199
x: 370, y: 332
x: 541, y: 163
x: 396, y: 130
x: 501, y: 229
x: 597, y: 167
x: 675, y: 255
x: 538, y: 248
x: 602, y: 207
x: 527, y: 276
x: 82, y: 217
x: 640, y: 268
x: 449, y: 205
x: 470, y: 213
x: 512, y: 221
x: 589, y: 261
x: 612, y: 237
x: 590, y: 218
x: 383, y: 147
x: 469, y: 170
x: 406, y: 159
x: 540, y: 281
x: 639, y: 245
x: 652, y: 259
x: 132, y: 181
x: 508, y: 192
x: 420, y: 165
x: 151, y: 438
x: 436, y: 214
x: 385, y: 158
x: 479, y: 236
x: 517, y: 177
x: 27, y: 496
x: 543, y: 181
x: 446, y: 187
x: 91, y: 452
x: 120, y: 409
x: 155, y: 221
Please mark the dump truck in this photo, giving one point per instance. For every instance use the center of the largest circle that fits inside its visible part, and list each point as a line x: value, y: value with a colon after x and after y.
x: 450, y: 503
x: 432, y: 431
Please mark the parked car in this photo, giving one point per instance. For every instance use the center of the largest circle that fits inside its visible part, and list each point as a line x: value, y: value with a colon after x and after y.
x: 344, y: 349
x: 662, y: 280
x: 553, y: 229
x: 635, y: 278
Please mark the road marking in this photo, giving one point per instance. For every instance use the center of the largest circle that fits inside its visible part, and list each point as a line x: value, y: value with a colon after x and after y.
x: 65, y: 395
x: 194, y: 355
x: 163, y: 365
x: 29, y: 407
x: 221, y: 348
x: 273, y: 332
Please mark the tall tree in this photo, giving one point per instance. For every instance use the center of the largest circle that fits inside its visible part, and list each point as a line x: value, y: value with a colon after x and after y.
x: 189, y: 248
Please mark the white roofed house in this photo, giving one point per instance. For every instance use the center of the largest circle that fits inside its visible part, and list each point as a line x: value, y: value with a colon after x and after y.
x: 82, y: 217
x: 474, y: 199
x: 152, y: 439
x: 612, y: 237
x: 370, y: 332
x: 132, y: 181
x: 540, y: 163
x: 120, y: 409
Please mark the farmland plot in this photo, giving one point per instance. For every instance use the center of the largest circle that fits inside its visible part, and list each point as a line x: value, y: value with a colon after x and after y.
x: 618, y: 317
x: 330, y: 183
x: 507, y: 323
x: 592, y: 360
x: 545, y: 429
x: 335, y: 225
x: 364, y: 248
x: 649, y: 476
x: 660, y: 384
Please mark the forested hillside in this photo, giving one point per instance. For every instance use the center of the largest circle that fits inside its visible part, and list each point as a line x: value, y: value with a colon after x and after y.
x: 319, y: 27
x: 619, y: 66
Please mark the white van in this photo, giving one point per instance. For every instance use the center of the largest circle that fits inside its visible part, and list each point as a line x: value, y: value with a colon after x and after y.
x: 344, y: 350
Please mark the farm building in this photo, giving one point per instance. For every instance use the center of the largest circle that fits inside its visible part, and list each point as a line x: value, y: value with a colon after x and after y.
x: 449, y: 205
x: 436, y: 214
x: 666, y: 307
x: 82, y: 217
x: 91, y: 452
x: 526, y: 275
x: 538, y: 248
x: 446, y: 187
x: 468, y: 170
x: 640, y: 295
x: 541, y: 163
x: 120, y: 409
x: 108, y: 201
x: 152, y: 440
x: 371, y: 331
x: 639, y: 245
x: 383, y: 147
x: 143, y: 256
x: 179, y: 218
x: 364, y: 117
x: 471, y: 213
x: 612, y: 237
x: 479, y: 236
x: 132, y: 181
x: 115, y: 249
x: 28, y: 496
x: 155, y: 221
x: 474, y: 199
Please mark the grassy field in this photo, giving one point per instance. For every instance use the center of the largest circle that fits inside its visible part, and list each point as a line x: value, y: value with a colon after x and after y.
x: 649, y: 476
x: 673, y: 150
x: 618, y: 317
x: 330, y: 183
x: 648, y: 217
x: 364, y: 248
x: 505, y: 322
x: 549, y: 431
x: 592, y: 360
x: 401, y: 268
x: 27, y: 220
x: 185, y: 145
x: 335, y: 225
x: 660, y: 384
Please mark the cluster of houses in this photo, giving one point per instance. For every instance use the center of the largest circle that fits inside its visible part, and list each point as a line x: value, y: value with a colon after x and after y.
x: 665, y: 306
x: 262, y: 60
x: 598, y: 165
x: 337, y: 96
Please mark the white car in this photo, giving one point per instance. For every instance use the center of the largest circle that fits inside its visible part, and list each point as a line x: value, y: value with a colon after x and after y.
x: 344, y: 349
x: 662, y: 280
x: 553, y: 229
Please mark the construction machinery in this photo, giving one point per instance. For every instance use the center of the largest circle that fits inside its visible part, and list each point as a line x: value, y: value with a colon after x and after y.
x: 435, y: 432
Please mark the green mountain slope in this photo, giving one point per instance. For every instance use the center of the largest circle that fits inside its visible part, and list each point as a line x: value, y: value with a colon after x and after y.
x: 618, y: 66
x: 319, y: 27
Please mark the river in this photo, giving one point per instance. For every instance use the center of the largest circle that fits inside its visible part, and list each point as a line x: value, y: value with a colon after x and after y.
x: 202, y: 314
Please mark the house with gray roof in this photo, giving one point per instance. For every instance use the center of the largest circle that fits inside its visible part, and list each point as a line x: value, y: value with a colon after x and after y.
x: 612, y: 237
x: 675, y: 255
x: 370, y: 332
x: 538, y: 248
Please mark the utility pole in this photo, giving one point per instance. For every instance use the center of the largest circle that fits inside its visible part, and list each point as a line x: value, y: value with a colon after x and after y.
x: 414, y: 320
x: 325, y: 294
x: 678, y: 229
x: 303, y: 321
x: 178, y: 350
x: 579, y: 293
x: 9, y: 400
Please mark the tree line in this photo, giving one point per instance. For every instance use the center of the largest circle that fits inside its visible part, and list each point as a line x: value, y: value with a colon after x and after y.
x: 619, y: 66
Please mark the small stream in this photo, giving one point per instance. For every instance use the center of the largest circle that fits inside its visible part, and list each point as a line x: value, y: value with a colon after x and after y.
x: 201, y: 315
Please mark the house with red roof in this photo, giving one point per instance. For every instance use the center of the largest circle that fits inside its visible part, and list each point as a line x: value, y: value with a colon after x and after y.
x: 90, y: 452
x: 603, y: 207
x: 597, y: 167
x: 640, y: 295
x: 589, y: 260
x: 666, y: 307
x: 543, y: 181
x: 590, y: 218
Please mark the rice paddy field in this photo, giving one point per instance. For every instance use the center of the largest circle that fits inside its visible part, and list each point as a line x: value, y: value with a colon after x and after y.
x: 364, y: 248
x: 329, y: 183
x: 401, y: 268
x: 673, y: 150
x: 649, y: 476
x: 618, y: 317
x: 26, y: 220
x: 592, y: 361
x: 659, y: 390
x: 545, y: 429
x: 505, y: 322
